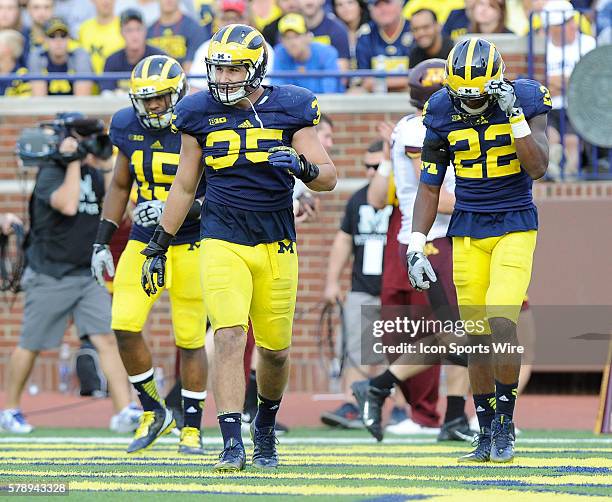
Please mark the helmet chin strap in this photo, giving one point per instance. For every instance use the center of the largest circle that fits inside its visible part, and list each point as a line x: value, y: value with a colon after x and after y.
x: 474, y: 111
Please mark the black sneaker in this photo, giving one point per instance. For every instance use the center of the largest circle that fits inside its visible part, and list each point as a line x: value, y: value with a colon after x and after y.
x: 264, y: 447
x: 482, y: 452
x: 457, y: 429
x: 370, y: 401
x: 502, y: 440
x: 232, y: 458
x: 346, y: 417
x: 153, y: 424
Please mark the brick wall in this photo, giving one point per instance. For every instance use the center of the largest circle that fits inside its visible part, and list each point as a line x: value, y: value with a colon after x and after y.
x: 353, y: 132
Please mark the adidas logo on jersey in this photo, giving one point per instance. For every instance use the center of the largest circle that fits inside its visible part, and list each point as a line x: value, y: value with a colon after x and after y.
x: 245, y: 125
x: 480, y: 409
x: 191, y: 409
x: 157, y: 145
x: 503, y: 398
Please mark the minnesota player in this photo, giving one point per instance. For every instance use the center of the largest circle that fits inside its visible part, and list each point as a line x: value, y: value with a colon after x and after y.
x: 493, y: 131
x: 252, y: 140
x: 149, y: 155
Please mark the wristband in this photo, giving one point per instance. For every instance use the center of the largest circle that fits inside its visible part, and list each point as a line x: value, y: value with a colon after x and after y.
x: 194, y: 211
x: 519, y: 126
x: 416, y: 242
x: 106, y: 229
x: 310, y: 171
x: 161, y: 237
x: 384, y: 168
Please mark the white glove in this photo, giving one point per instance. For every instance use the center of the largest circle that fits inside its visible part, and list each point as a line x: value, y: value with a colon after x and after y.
x: 102, y: 261
x: 148, y: 213
x: 506, y: 98
x: 419, y: 269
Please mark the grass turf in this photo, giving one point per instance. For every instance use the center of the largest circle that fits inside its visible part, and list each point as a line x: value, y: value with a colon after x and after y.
x: 323, y: 464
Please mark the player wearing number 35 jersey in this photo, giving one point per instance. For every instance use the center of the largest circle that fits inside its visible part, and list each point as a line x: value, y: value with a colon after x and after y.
x: 252, y: 142
x: 148, y: 154
x: 493, y: 132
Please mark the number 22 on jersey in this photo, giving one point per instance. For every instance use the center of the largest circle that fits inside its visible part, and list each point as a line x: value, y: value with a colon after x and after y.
x: 154, y: 183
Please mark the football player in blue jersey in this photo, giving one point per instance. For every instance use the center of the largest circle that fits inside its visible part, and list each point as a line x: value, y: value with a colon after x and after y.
x: 148, y: 154
x: 251, y: 141
x: 493, y: 131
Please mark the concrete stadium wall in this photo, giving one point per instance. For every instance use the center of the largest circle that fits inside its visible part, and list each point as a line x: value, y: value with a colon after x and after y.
x: 564, y: 241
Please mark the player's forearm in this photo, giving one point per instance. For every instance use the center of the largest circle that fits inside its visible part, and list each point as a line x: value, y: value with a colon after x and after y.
x: 326, y: 180
x: 425, y: 208
x: 115, y: 202
x: 338, y: 257
x: 533, y: 156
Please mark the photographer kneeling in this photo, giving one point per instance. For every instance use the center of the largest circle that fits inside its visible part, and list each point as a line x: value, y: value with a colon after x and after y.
x: 64, y: 212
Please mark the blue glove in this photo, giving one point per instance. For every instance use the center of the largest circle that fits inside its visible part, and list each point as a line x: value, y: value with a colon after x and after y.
x: 285, y: 157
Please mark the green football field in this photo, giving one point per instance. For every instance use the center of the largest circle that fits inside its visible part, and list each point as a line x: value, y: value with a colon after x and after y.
x: 320, y: 464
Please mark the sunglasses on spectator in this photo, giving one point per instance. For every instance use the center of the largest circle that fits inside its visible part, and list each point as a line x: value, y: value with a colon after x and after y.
x: 58, y: 34
x: 371, y: 166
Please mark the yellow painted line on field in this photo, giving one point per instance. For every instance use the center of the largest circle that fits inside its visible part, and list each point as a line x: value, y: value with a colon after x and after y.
x: 439, y: 494
x: 552, y: 480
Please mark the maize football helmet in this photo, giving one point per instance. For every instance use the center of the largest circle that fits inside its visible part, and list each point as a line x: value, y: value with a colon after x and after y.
x: 236, y: 45
x: 469, y: 66
x: 157, y: 76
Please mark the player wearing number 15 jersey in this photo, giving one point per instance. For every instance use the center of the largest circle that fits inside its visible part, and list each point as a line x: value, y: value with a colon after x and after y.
x: 252, y: 140
x: 148, y: 154
x: 493, y: 131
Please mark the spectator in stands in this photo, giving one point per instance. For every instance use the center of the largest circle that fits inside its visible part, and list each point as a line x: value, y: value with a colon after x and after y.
x: 101, y: 35
x: 263, y: 12
x: 232, y: 12
x: 150, y: 8
x: 270, y: 30
x: 604, y: 22
x: 59, y: 58
x: 39, y: 12
x: 362, y: 236
x: 297, y: 52
x: 459, y: 21
x: 441, y: 8
x: 489, y: 17
x: 564, y: 49
x: 428, y: 39
x: 327, y: 29
x: 354, y: 14
x: 205, y: 11
x: 177, y: 34
x: 75, y: 12
x: 58, y: 284
x: 134, y: 33
x: 325, y: 132
x: 10, y: 15
x: 11, y: 49
x: 384, y: 44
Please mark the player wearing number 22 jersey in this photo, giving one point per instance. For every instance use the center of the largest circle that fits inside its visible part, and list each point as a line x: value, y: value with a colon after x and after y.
x: 148, y: 154
x: 252, y: 141
x: 493, y: 132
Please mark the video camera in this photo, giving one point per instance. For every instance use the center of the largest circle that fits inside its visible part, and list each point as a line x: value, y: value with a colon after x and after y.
x: 39, y: 145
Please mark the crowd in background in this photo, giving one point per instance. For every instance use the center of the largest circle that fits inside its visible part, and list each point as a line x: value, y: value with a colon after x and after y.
x: 97, y: 37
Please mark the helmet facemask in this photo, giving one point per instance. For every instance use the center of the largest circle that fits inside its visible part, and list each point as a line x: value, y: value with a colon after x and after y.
x: 229, y: 93
x: 157, y: 120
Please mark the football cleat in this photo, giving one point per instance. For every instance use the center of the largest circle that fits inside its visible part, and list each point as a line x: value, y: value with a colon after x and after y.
x: 232, y: 458
x: 153, y: 424
x: 14, y: 421
x: 248, y: 417
x: 370, y: 401
x: 264, y: 447
x: 191, y: 441
x: 482, y: 452
x: 502, y: 440
x: 457, y: 429
x: 346, y: 417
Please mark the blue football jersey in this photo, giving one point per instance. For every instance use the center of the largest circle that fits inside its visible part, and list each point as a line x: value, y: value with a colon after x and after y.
x: 247, y: 201
x: 493, y: 192
x: 376, y: 51
x: 154, y: 159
